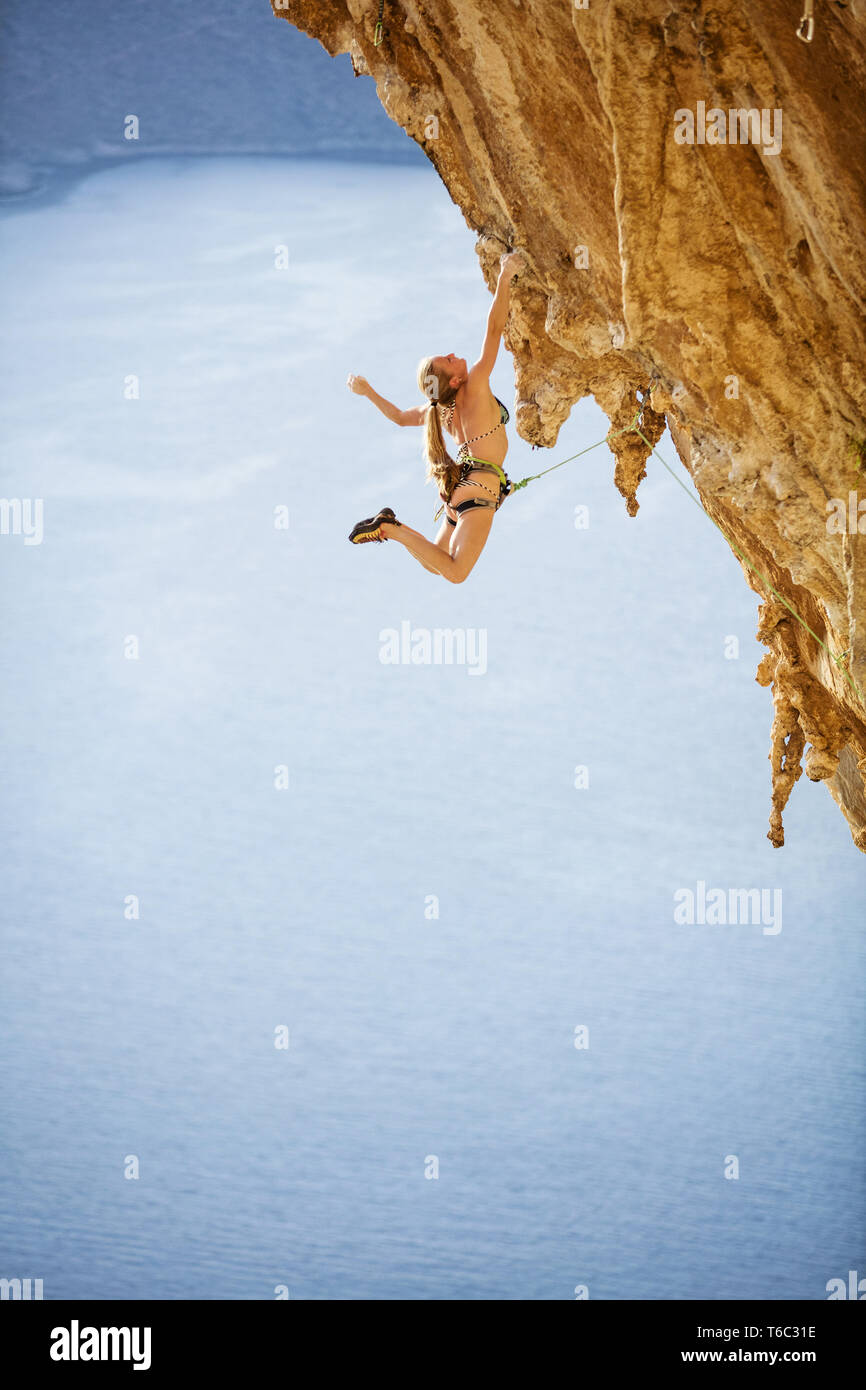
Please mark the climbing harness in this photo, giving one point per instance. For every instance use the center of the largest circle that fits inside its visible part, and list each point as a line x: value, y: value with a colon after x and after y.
x: 471, y: 464
x: 379, y: 32
x: 806, y: 27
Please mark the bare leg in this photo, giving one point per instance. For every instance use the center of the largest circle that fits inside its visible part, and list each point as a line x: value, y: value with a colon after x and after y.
x: 466, y: 544
x: 441, y: 542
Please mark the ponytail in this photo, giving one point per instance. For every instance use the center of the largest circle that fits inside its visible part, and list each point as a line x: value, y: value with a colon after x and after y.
x: 441, y: 467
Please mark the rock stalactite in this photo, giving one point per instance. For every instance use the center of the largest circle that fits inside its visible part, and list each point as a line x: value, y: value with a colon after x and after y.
x: 687, y: 183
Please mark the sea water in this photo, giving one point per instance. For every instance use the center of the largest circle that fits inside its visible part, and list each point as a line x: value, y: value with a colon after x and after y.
x: 342, y: 977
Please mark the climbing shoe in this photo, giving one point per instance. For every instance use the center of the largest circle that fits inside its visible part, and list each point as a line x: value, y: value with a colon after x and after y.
x: 371, y: 529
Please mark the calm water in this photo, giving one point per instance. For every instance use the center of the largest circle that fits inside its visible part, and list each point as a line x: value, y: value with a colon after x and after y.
x: 412, y: 789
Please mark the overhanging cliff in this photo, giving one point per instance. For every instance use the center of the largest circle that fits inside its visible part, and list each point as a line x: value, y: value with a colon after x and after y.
x: 687, y: 184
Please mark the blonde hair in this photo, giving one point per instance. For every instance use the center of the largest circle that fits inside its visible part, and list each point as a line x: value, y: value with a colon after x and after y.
x: 441, y: 467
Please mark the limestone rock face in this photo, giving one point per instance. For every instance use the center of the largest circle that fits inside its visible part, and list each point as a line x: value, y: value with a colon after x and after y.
x: 725, y: 270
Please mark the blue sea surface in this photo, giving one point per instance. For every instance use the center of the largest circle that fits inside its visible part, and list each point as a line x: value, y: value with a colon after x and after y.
x: 370, y: 970
x: 127, y: 82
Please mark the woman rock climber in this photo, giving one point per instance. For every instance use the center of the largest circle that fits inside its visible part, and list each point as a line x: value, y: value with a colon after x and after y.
x: 471, y: 488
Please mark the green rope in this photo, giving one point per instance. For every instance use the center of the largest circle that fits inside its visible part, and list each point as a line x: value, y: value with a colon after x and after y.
x: 839, y: 659
x: 515, y: 487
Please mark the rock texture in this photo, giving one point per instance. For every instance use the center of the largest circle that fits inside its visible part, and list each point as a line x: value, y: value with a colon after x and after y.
x: 729, y: 277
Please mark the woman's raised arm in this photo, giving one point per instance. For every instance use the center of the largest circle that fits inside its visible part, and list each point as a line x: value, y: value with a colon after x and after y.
x: 361, y: 387
x: 509, y: 266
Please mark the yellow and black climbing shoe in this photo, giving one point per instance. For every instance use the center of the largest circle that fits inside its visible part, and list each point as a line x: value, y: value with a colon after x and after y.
x: 371, y: 529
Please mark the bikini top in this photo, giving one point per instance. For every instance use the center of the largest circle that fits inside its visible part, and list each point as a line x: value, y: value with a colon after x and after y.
x: 463, y: 450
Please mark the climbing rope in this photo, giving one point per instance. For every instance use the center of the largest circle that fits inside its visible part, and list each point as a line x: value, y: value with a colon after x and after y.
x: 515, y: 487
x: 839, y: 659
x: 379, y: 32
